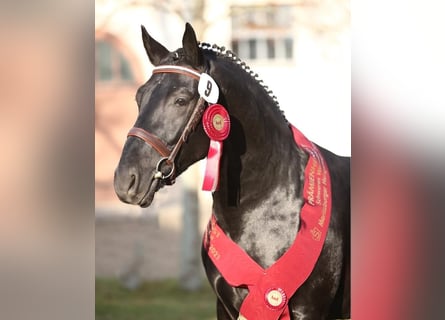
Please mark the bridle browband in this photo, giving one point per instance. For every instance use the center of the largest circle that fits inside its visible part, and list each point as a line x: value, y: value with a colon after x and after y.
x: 178, y: 69
x: 168, y: 156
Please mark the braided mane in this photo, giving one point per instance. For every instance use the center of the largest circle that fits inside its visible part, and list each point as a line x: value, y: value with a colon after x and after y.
x: 231, y: 56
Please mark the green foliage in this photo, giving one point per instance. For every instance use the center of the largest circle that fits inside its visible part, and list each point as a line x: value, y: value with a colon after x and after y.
x: 163, y: 300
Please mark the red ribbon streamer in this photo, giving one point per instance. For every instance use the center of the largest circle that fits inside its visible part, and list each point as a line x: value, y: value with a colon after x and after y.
x: 216, y: 123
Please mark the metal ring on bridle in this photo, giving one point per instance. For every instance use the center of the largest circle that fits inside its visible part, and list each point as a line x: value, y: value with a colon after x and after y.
x: 159, y: 174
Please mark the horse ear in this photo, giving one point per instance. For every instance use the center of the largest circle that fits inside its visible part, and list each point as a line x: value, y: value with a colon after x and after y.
x: 155, y: 51
x: 190, y: 45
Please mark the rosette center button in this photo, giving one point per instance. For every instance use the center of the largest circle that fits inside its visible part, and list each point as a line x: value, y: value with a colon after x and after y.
x: 275, y: 298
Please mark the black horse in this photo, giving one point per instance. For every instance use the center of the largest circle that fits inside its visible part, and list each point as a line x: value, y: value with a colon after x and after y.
x: 259, y: 200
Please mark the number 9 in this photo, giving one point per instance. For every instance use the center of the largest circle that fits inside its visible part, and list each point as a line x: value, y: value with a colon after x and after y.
x: 209, y: 88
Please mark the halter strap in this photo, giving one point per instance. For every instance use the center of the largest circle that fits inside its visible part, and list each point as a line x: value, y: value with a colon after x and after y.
x: 177, y: 69
x: 168, y: 155
x: 151, y: 139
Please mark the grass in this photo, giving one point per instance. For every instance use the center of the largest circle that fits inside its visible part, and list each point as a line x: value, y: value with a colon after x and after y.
x: 163, y: 300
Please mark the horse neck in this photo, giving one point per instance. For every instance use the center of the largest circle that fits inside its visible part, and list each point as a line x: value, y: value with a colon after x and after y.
x: 261, y: 167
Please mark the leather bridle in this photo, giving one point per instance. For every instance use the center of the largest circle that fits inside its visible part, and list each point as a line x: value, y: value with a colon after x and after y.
x: 169, y: 155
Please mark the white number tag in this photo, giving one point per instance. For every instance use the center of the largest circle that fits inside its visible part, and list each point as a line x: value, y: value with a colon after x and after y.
x: 208, y: 89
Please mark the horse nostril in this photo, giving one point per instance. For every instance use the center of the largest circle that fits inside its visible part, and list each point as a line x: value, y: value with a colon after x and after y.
x: 132, y: 181
x: 126, y: 184
x: 133, y: 184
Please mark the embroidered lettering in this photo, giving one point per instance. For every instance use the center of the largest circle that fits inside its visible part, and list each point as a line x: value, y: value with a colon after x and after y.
x: 214, y: 233
x: 311, y: 184
x: 324, y: 208
x: 318, y: 198
x: 214, y: 252
x: 316, y: 234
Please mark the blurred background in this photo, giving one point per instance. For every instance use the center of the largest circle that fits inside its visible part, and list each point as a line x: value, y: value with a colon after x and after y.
x: 52, y: 199
x: 301, y: 49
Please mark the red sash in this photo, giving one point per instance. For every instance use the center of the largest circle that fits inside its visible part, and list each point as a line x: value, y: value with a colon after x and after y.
x: 270, y: 289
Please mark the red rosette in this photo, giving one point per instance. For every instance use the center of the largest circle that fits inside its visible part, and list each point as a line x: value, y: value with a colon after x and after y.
x: 216, y: 122
x: 275, y: 298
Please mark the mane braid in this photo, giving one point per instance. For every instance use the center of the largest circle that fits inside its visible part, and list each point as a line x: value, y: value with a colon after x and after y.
x: 230, y: 55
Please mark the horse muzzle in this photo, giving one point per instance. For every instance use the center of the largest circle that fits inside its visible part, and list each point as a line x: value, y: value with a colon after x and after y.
x: 134, y: 188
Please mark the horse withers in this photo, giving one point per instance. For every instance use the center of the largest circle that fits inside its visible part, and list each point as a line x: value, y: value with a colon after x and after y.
x: 278, y: 243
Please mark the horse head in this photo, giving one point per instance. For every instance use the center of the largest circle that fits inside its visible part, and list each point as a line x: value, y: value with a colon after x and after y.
x: 167, y: 136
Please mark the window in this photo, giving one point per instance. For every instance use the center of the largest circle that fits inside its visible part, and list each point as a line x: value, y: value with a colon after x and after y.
x: 270, y: 48
x: 252, y: 48
x: 111, y: 64
x: 264, y: 49
x: 263, y: 33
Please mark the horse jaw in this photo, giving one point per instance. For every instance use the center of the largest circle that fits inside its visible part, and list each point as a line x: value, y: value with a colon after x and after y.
x: 147, y: 199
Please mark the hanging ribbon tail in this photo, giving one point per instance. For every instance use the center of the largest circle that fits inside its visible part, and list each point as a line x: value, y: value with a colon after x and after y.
x: 216, y: 124
x: 211, y: 175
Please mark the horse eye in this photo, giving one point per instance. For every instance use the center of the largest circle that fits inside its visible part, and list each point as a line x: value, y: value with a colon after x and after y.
x: 181, y: 102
